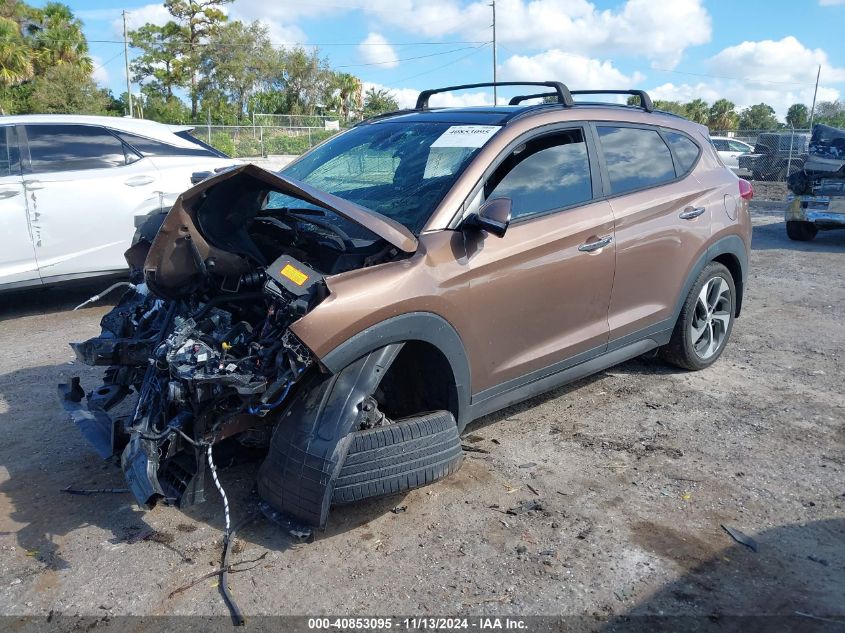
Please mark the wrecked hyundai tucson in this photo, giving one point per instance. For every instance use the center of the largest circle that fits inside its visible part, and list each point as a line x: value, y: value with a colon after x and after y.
x: 343, y: 321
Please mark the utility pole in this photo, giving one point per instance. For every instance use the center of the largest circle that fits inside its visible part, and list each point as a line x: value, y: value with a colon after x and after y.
x: 126, y: 61
x: 815, y: 92
x: 495, y: 99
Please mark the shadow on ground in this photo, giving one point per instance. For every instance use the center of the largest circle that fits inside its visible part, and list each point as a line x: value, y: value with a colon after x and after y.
x: 794, y: 582
x: 772, y: 236
x: 43, y: 452
x: 21, y: 303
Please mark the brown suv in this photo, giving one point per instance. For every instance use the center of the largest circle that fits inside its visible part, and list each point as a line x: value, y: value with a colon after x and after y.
x: 346, y: 319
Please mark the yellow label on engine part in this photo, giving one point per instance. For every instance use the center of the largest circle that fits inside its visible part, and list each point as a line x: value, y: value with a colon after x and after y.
x: 296, y: 276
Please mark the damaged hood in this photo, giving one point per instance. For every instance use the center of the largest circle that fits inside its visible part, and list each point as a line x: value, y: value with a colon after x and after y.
x: 180, y: 253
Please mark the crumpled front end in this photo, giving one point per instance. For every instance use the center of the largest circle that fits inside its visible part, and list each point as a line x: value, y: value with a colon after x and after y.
x: 199, y: 352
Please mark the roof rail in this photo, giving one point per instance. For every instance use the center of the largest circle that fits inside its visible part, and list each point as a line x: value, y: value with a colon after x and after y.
x: 645, y: 100
x: 540, y: 95
x: 561, y: 91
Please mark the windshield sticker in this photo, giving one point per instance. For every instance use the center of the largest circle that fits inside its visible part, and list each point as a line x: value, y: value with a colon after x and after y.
x: 466, y: 136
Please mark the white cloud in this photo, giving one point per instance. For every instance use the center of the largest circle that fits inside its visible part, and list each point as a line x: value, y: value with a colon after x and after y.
x: 779, y: 73
x: 375, y: 49
x: 407, y: 97
x: 578, y: 71
x: 659, y: 31
x: 784, y: 61
x: 100, y: 74
x: 149, y: 13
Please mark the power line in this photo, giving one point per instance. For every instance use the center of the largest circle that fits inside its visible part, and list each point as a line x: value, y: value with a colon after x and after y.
x: 408, y: 59
x: 454, y: 61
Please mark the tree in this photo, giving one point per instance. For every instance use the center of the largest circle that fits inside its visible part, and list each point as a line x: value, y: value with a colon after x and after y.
x: 378, y: 102
x: 238, y: 61
x: 58, y: 39
x: 830, y: 113
x: 722, y: 116
x: 798, y: 116
x: 66, y: 88
x: 199, y: 20
x: 162, y: 58
x: 305, y: 80
x: 758, y: 117
x: 675, y: 107
x: 697, y: 110
x: 349, y: 94
x: 15, y: 56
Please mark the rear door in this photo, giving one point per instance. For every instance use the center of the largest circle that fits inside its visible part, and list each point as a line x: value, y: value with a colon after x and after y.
x: 662, y: 223
x: 539, y: 295
x: 84, y: 186
x: 17, y: 253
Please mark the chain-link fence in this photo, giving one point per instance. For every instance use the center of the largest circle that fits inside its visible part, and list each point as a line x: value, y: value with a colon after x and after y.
x: 248, y: 141
x: 763, y: 155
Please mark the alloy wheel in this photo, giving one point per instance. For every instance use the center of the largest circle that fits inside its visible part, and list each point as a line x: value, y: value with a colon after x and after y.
x: 712, y: 317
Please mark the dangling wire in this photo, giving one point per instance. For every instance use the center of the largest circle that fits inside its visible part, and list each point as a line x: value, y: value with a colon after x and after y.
x: 221, y: 491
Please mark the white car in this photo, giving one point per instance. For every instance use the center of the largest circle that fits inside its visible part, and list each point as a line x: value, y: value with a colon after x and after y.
x: 729, y: 150
x: 72, y: 187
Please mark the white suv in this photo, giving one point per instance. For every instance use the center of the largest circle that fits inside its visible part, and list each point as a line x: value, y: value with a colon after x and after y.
x: 72, y: 189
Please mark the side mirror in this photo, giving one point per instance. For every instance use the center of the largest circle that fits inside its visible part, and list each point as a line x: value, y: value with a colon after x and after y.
x: 493, y: 216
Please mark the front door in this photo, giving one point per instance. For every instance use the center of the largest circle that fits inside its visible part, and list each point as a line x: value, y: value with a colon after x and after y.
x: 539, y: 295
x: 84, y: 187
x: 17, y: 255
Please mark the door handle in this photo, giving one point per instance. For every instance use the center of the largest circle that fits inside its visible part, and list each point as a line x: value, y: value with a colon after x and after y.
x: 9, y: 193
x: 691, y: 212
x: 589, y: 247
x: 137, y: 181
x: 33, y: 185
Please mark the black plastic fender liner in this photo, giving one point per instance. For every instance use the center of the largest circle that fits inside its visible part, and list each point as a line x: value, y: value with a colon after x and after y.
x: 413, y: 326
x: 312, y: 437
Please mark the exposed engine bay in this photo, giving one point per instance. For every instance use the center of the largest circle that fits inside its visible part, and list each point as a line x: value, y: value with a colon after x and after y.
x: 201, y: 341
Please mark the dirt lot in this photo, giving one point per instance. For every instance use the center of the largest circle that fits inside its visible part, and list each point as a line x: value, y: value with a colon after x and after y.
x: 630, y: 475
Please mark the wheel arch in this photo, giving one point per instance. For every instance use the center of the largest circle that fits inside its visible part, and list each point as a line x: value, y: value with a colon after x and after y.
x: 424, y: 331
x: 731, y: 252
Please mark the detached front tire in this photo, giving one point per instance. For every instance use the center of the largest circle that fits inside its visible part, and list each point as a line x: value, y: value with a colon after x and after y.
x: 801, y: 231
x: 705, y: 322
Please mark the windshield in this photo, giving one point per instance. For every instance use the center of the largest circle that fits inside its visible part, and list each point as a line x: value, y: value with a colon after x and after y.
x: 401, y: 170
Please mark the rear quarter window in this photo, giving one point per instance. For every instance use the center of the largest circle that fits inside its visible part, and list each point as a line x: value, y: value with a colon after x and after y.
x: 684, y: 150
x: 149, y: 147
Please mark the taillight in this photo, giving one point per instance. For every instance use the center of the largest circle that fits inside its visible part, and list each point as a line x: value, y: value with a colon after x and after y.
x: 746, y: 192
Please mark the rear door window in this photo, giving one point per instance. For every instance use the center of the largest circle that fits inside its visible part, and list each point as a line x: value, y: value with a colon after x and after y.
x: 635, y: 157
x: 736, y: 146
x: 55, y: 148
x: 547, y: 173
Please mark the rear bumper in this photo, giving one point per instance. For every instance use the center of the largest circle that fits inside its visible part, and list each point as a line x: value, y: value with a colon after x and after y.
x: 818, y: 210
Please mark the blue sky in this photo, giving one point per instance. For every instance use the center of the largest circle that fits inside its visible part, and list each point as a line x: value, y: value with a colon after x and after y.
x: 748, y: 51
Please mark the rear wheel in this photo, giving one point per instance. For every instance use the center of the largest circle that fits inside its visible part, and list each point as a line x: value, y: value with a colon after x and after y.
x: 705, y: 322
x: 801, y: 231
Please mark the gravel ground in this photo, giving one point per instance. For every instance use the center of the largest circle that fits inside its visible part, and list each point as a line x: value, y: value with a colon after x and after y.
x: 605, y: 498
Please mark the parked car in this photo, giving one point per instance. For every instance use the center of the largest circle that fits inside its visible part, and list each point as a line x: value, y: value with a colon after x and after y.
x: 776, y: 155
x: 72, y: 186
x: 344, y: 320
x: 729, y: 150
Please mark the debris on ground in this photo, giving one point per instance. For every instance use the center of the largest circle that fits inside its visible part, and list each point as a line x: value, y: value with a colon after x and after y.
x: 529, y: 505
x: 741, y: 538
x: 398, y: 509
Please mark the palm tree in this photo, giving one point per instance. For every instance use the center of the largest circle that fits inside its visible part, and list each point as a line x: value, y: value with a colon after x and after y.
x: 697, y: 110
x: 15, y: 56
x: 350, y: 93
x: 59, y: 39
x: 722, y: 115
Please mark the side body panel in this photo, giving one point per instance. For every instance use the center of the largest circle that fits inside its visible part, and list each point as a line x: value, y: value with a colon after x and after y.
x: 17, y: 255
